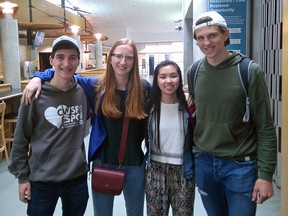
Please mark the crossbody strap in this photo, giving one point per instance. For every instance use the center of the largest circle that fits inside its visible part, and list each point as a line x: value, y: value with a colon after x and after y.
x: 123, y: 140
x: 191, y: 76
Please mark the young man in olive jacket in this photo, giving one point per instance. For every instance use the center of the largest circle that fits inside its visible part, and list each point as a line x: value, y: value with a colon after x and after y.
x: 235, y: 156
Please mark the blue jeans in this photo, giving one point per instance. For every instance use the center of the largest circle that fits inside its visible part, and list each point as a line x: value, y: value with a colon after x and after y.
x: 133, y: 192
x: 73, y: 194
x: 225, y: 186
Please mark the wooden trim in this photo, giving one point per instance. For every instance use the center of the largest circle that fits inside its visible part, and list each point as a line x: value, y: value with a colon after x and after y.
x: 5, y: 87
x: 46, y: 15
x: 92, y: 73
x: 284, y: 137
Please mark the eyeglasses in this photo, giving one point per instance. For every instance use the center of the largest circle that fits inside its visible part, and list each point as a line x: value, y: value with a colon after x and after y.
x: 121, y: 57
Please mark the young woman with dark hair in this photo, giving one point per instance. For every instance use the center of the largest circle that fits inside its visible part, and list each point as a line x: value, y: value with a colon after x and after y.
x: 170, y: 161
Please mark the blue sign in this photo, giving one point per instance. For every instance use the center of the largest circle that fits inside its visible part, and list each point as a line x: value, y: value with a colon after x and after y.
x: 235, y: 14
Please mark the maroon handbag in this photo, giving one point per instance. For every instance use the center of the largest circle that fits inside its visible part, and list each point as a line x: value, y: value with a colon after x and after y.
x: 111, y: 181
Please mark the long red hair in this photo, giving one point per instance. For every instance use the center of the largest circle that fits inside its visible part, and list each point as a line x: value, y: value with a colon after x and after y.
x: 134, y: 104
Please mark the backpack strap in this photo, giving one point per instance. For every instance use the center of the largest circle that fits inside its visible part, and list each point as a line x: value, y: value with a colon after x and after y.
x: 243, y: 72
x: 191, y: 76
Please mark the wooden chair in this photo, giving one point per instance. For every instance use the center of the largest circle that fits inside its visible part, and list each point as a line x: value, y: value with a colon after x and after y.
x: 5, y: 87
x: 3, y: 144
x: 10, y: 120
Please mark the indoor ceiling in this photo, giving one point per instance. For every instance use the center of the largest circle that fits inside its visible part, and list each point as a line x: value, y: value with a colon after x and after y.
x: 141, y: 20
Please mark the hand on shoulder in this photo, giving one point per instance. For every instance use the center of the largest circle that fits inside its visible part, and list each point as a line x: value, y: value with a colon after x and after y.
x: 33, y: 86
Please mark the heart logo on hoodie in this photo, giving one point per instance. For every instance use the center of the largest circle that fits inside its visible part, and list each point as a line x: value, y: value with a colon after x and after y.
x: 52, y: 115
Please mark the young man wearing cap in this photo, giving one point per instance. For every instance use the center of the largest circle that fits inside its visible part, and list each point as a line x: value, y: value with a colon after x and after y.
x: 54, y: 126
x: 235, y: 159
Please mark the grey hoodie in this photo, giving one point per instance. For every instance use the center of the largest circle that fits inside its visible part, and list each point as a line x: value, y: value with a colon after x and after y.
x: 54, y: 124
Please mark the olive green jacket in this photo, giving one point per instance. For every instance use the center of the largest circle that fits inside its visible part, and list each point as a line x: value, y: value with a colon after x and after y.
x: 220, y: 107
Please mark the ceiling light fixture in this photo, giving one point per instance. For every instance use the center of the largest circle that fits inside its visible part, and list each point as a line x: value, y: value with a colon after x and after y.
x: 74, y: 29
x: 98, y: 36
x: 7, y: 8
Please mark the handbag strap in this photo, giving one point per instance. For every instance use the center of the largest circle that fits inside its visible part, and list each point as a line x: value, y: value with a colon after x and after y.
x: 123, y: 141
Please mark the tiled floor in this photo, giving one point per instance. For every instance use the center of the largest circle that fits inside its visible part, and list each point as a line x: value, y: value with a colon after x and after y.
x: 11, y: 206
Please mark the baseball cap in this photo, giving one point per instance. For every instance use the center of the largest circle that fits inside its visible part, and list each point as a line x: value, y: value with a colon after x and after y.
x: 64, y: 40
x: 208, y: 19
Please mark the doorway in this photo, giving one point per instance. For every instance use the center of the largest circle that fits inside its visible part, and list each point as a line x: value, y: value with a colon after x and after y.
x: 44, y: 61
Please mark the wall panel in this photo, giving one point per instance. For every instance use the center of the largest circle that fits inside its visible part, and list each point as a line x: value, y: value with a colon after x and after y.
x: 284, y: 134
x: 271, y: 62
